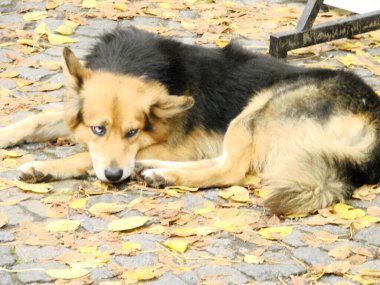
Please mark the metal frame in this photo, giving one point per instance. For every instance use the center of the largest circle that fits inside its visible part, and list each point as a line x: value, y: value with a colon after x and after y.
x: 306, y: 35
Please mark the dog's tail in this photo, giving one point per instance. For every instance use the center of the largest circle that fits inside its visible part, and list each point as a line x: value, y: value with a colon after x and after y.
x: 300, y: 184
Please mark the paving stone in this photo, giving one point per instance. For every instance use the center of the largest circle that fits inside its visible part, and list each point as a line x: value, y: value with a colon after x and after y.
x: 35, y: 207
x: 265, y: 272
x: 101, y: 273
x: 219, y: 246
x: 312, y: 256
x: 188, y: 14
x: 16, y: 215
x: 6, y: 236
x: 32, y: 73
x: 329, y: 228
x: 167, y: 278
x: 147, y: 241
x: 146, y: 21
x: 222, y: 273
x: 31, y: 253
x: 7, y: 258
x: 38, y: 275
x: 108, y: 198
x: 370, y: 235
x: 190, y: 277
x: 372, y: 265
x: 143, y: 259
x: 92, y: 225
x: 5, y: 277
x: 294, y: 239
x: 331, y: 279
x: 7, y: 83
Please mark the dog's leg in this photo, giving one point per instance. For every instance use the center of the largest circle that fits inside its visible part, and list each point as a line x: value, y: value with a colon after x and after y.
x: 75, y: 166
x: 36, y: 128
x: 228, y: 169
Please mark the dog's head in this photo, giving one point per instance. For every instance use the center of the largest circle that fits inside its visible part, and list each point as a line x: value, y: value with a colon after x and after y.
x: 117, y: 115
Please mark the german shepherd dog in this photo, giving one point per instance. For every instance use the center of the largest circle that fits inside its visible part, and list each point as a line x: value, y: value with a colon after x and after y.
x: 310, y: 133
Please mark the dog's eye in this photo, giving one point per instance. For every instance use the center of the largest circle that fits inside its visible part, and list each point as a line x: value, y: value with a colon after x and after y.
x: 99, y: 130
x: 131, y: 133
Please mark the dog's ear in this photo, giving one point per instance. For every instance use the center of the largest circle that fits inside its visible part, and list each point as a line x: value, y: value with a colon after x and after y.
x: 169, y: 106
x: 75, y: 72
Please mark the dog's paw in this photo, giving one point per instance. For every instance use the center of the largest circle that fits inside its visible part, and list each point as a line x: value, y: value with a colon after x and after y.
x: 33, y: 172
x: 157, y: 178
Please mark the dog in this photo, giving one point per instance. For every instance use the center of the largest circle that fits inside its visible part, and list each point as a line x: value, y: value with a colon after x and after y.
x: 310, y: 133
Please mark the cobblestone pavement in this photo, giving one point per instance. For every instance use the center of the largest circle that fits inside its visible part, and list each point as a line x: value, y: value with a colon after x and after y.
x: 191, y: 237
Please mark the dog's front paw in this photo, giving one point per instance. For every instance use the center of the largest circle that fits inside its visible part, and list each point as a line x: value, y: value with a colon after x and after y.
x: 33, y: 172
x: 158, y: 178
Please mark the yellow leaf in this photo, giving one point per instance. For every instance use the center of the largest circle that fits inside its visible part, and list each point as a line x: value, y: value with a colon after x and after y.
x: 253, y: 259
x: 4, y: 92
x: 99, y: 209
x: 155, y: 230
x: 88, y: 4
x: 27, y: 42
x: 275, y: 232
x: 52, y: 4
x: 80, y: 203
x: 235, y: 193
x: 377, y: 59
x: 177, y: 244
x: 63, y: 225
x: 95, y: 263
x: 127, y: 223
x: 251, y: 180
x: 120, y: 6
x: 9, y: 74
x: 42, y: 29
x: 262, y: 192
x: 36, y: 188
x: 221, y: 43
x: 35, y: 16
x: 340, y: 207
x: 58, y: 39
x: 347, y: 212
x: 88, y: 249
x: 10, y: 153
x: 70, y: 273
x: 365, y: 222
x: 182, y: 188
x: 23, y: 82
x: 138, y: 274
x: 68, y: 28
x: 130, y: 247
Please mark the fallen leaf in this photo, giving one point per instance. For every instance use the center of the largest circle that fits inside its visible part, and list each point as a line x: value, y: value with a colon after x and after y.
x: 177, y: 244
x: 70, y: 273
x: 127, y: 223
x: 50, y: 65
x: 35, y: 16
x: 36, y: 188
x: 373, y: 211
x: 52, y: 4
x: 341, y: 252
x: 129, y: 248
x: 235, y: 193
x: 251, y: 180
x: 139, y: 274
x: 58, y: 39
x: 63, y: 225
x: 46, y: 87
x: 253, y: 259
x: 275, y: 233
x: 99, y: 209
x: 67, y: 28
x: 42, y: 29
x: 9, y: 74
x: 120, y: 6
x: 88, y: 4
x: 4, y: 92
x: 182, y: 188
x: 80, y: 203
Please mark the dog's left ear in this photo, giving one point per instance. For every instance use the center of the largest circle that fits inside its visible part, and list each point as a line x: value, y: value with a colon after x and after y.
x: 169, y: 106
x: 76, y: 73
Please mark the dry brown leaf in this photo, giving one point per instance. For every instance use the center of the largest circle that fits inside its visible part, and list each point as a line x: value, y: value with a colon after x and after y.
x: 3, y: 219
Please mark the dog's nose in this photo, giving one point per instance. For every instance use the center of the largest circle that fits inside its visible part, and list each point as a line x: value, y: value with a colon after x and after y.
x: 113, y: 174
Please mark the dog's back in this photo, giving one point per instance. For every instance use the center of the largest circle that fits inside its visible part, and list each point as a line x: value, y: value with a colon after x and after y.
x: 221, y: 81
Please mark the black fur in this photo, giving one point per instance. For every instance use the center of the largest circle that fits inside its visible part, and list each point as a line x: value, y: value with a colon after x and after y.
x: 220, y: 80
